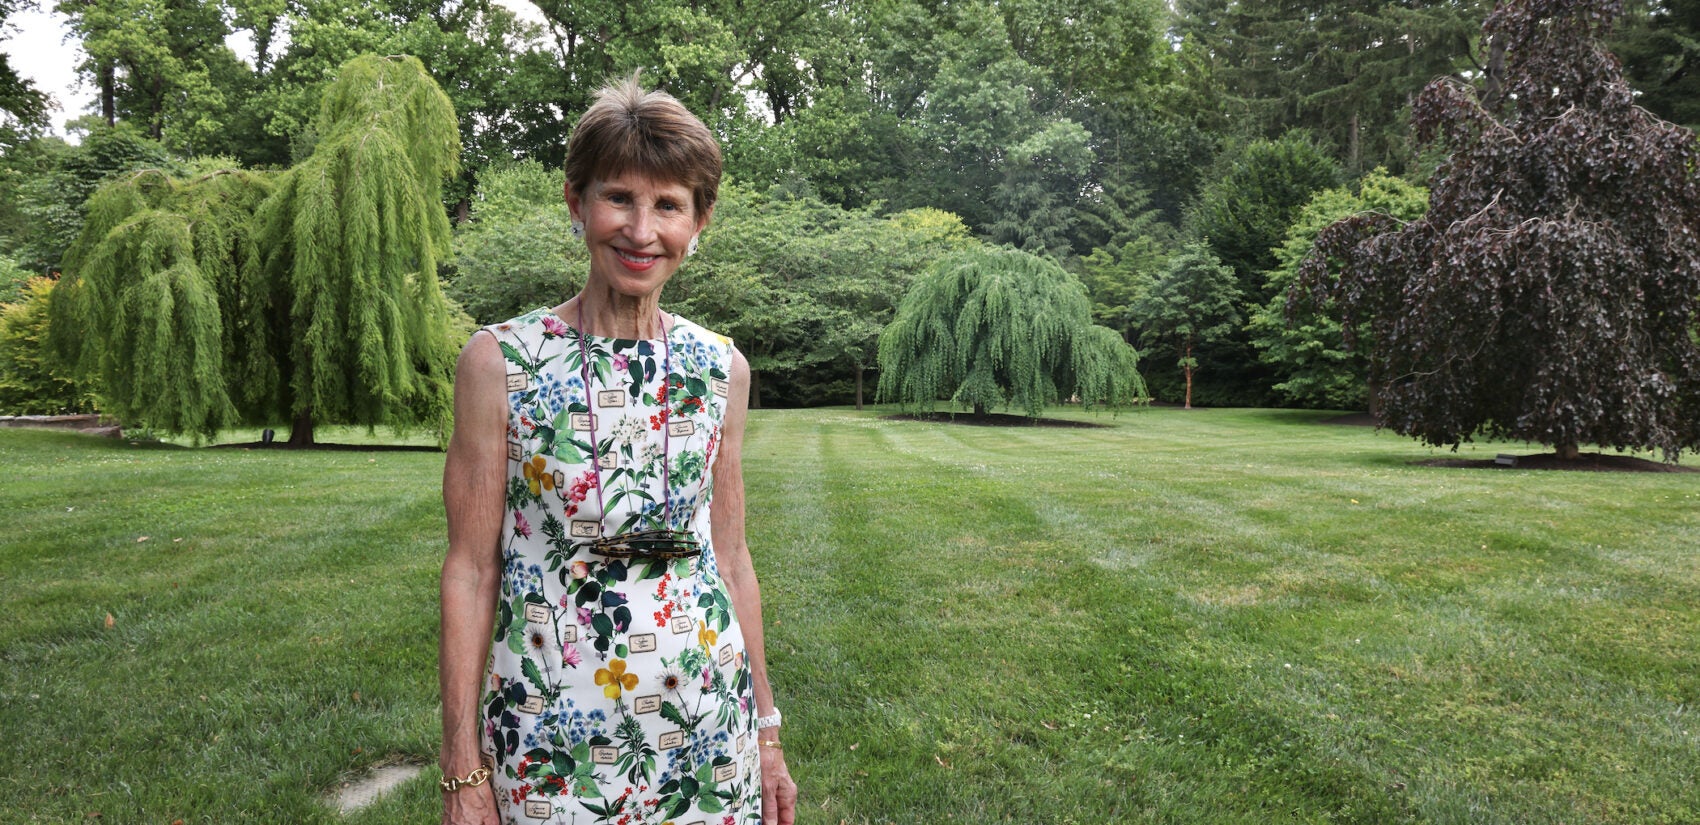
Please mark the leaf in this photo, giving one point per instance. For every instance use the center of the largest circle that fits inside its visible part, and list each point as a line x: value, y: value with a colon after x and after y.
x: 671, y: 713
x: 515, y: 357
x: 533, y: 675
x: 110, y: 621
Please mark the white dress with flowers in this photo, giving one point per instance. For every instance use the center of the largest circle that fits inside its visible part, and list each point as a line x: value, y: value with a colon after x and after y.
x: 618, y: 690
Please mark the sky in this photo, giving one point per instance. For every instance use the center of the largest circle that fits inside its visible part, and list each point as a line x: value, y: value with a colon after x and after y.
x: 35, y: 39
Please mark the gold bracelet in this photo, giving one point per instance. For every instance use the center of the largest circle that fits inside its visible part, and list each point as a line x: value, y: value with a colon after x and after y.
x: 479, y: 776
x: 770, y: 743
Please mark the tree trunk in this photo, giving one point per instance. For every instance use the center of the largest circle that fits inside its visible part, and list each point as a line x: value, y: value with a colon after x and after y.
x: 156, y: 118
x: 1187, y: 368
x: 755, y: 390
x: 463, y: 211
x: 1494, y: 86
x: 1374, y: 396
x: 859, y: 371
x: 979, y: 410
x: 1354, y: 149
x: 108, y: 94
x: 1568, y: 452
x: 301, y: 429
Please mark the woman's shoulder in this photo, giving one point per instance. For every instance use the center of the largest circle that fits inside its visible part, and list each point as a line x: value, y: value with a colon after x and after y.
x: 687, y: 331
x: 519, y: 325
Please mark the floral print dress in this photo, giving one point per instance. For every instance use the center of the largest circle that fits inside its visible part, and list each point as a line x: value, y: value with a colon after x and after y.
x: 617, y: 690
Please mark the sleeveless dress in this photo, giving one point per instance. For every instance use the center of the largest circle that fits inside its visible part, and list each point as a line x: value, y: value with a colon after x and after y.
x: 617, y: 689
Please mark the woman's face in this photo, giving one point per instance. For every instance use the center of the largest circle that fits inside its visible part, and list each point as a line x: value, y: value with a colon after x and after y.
x: 638, y: 230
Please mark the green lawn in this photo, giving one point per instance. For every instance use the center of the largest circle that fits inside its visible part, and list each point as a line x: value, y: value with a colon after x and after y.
x: 1206, y: 617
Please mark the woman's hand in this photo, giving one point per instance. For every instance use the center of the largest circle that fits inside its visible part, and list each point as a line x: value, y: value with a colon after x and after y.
x: 778, y: 792
x: 470, y: 806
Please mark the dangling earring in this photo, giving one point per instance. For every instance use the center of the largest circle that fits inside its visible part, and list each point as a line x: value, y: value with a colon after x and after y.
x: 692, y: 249
x: 578, y: 228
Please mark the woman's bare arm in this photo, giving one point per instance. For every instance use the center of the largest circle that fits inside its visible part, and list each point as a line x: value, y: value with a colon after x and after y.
x: 732, y: 555
x: 474, y: 481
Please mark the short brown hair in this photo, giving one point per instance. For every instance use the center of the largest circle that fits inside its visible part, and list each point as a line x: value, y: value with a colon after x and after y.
x: 630, y: 130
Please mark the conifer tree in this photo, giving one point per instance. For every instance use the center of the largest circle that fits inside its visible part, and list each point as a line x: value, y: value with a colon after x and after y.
x: 139, y: 309
x: 1194, y: 304
x: 991, y: 327
x: 309, y: 295
x: 346, y: 249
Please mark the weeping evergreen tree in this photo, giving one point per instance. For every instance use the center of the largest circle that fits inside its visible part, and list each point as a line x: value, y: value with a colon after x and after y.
x: 992, y: 327
x: 346, y: 313
x: 143, y: 306
x: 309, y: 295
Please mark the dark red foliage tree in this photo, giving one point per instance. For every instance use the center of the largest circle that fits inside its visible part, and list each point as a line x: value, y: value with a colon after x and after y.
x: 1549, y: 295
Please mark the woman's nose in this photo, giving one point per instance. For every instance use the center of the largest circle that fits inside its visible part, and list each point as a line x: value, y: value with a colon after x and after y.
x: 640, y: 227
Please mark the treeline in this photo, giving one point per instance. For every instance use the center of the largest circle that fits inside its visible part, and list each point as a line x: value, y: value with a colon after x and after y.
x: 1176, y: 160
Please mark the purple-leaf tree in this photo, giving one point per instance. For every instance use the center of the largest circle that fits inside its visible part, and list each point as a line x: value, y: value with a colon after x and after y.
x: 1549, y: 294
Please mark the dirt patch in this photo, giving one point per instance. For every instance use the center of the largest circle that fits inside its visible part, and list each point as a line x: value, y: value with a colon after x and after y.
x: 360, y: 793
x: 1588, y: 462
x: 993, y: 420
x: 1351, y: 420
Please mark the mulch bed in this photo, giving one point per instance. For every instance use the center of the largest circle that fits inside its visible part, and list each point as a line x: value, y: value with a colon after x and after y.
x: 993, y: 420
x: 1589, y: 462
x: 1351, y: 420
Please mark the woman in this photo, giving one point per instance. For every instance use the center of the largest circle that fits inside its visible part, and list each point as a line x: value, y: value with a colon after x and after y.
x: 596, y: 523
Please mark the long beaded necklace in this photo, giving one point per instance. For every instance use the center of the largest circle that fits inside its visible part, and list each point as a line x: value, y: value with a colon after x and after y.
x: 666, y: 543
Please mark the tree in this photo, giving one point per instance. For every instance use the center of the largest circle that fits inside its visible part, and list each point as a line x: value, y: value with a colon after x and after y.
x: 1550, y: 294
x: 867, y: 267
x: 23, y: 108
x: 48, y: 195
x: 1243, y: 213
x: 993, y: 327
x: 311, y: 294
x: 1659, y: 43
x: 517, y: 252
x: 30, y: 382
x: 1194, y: 304
x: 1305, y: 345
x: 1345, y: 70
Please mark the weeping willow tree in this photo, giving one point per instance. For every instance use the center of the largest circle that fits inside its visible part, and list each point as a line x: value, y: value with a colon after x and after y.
x: 992, y: 327
x: 309, y: 295
x: 345, y: 250
x: 143, y: 306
